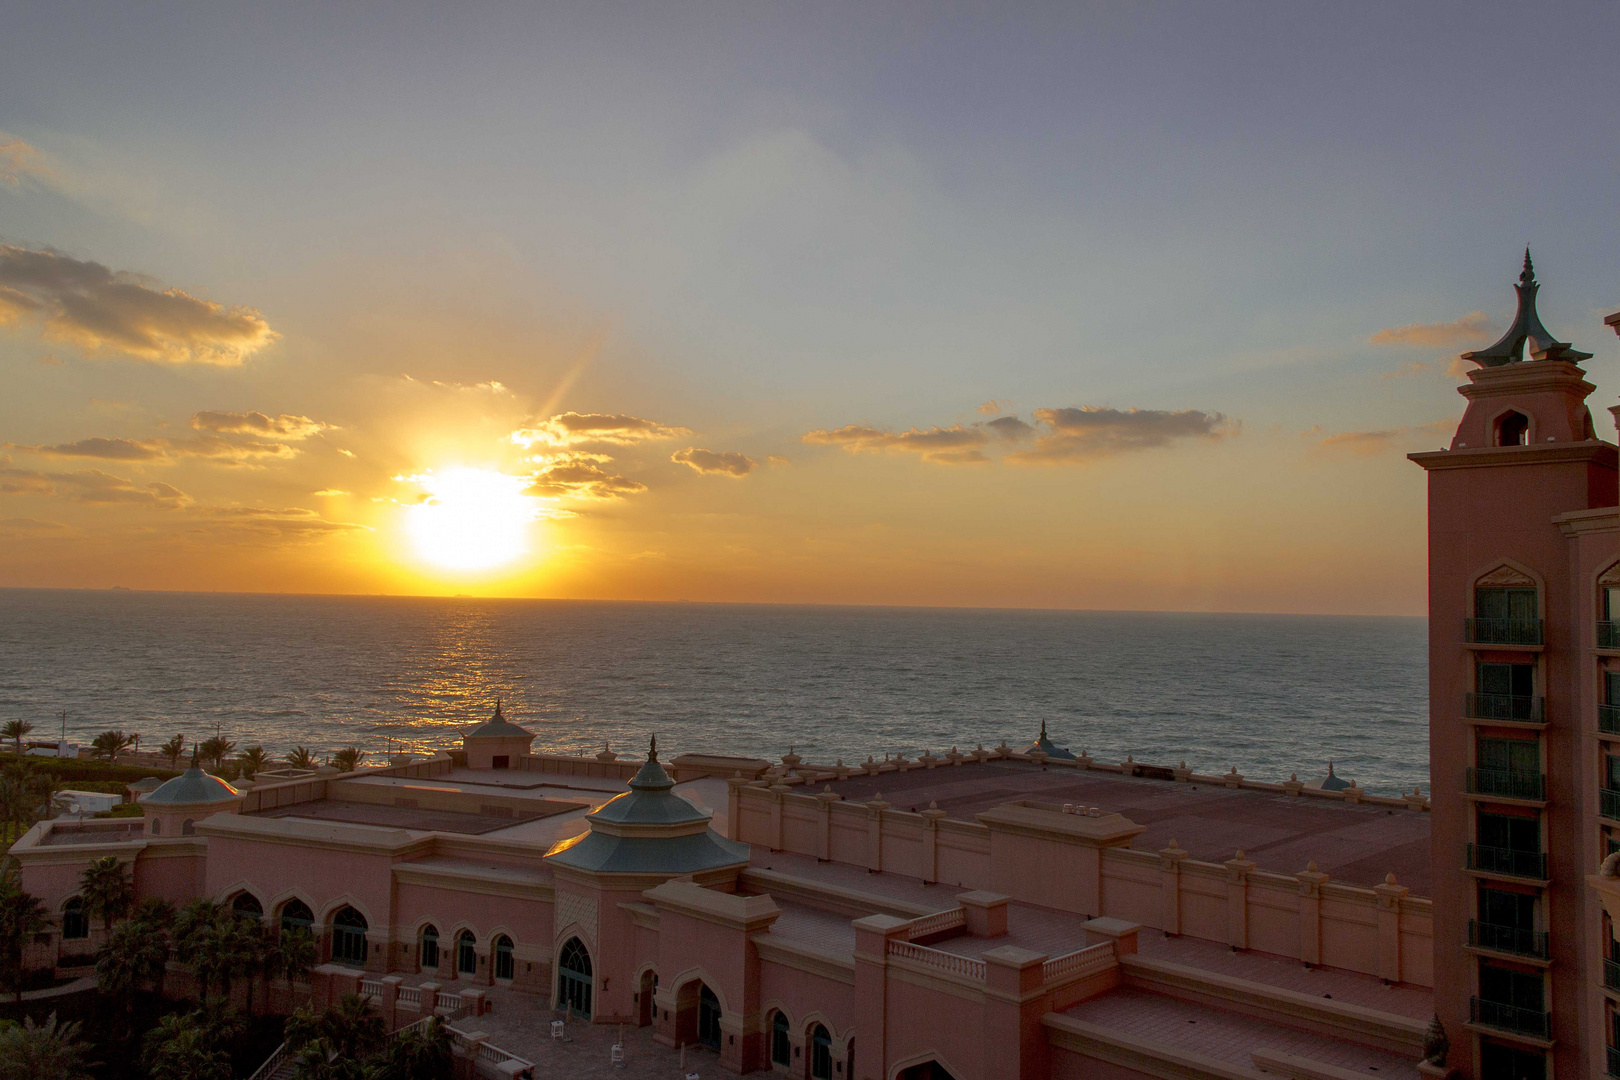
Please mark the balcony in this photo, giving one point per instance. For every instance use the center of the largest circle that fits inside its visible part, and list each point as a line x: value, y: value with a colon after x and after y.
x: 1507, y: 784
x: 1507, y: 939
x: 1609, y: 804
x: 1511, y: 1018
x: 1611, y: 974
x: 1527, y: 710
x: 1502, y: 631
x: 1608, y: 635
x: 1509, y: 861
x: 1609, y: 719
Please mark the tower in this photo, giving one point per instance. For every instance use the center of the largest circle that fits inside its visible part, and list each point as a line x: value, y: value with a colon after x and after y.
x: 1521, y: 512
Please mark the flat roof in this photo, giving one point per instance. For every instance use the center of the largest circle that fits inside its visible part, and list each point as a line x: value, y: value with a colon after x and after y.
x: 393, y: 817
x: 1356, y: 844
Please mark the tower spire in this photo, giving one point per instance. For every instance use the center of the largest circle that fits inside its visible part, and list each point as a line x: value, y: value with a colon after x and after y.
x: 1527, y: 334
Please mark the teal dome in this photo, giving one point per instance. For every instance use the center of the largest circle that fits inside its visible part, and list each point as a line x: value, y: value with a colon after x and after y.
x: 192, y: 788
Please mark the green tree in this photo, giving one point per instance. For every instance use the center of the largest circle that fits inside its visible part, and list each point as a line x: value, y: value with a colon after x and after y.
x: 295, y: 953
x: 173, y: 749
x: 347, y: 759
x: 346, y: 1042
x: 109, y: 744
x: 107, y: 891
x: 21, y: 917
x: 15, y: 730
x: 215, y: 750
x: 253, y: 760
x: 423, y: 1054
x: 155, y: 913
x: 301, y: 758
x: 25, y: 794
x: 48, y: 1051
x: 193, y: 938
x: 132, y: 960
x: 186, y: 1046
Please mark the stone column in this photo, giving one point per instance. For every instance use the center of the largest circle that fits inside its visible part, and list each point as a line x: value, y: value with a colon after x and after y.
x: 874, y: 833
x: 1237, y: 901
x: 734, y: 788
x: 930, y: 841
x: 388, y: 1005
x: 872, y: 936
x: 1310, y: 913
x: 1389, y: 927
x: 824, y: 803
x: 1170, y: 860
x: 986, y: 913
x: 1013, y: 1006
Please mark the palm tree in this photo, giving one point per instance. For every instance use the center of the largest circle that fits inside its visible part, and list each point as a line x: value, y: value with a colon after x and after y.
x: 183, y: 1047
x: 215, y: 749
x: 109, y: 744
x: 107, y: 890
x: 25, y: 793
x: 15, y: 730
x: 193, y: 928
x: 253, y: 760
x: 301, y: 758
x: 155, y: 914
x: 21, y: 917
x: 48, y: 1051
x: 133, y: 958
x: 295, y: 953
x: 420, y: 1055
x: 173, y: 749
x: 347, y: 759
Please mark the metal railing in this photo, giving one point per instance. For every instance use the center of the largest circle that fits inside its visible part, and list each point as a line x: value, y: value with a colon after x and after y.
x: 1502, y: 631
x: 1609, y: 719
x: 1530, y: 710
x: 1510, y: 861
x: 1609, y: 804
x: 1608, y: 635
x: 1507, y: 784
x: 1611, y: 974
x: 1508, y: 939
x: 1510, y: 1018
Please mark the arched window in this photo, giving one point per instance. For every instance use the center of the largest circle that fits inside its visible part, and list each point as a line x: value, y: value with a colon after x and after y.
x: 820, y: 1054
x: 1512, y: 429
x: 349, y: 936
x: 74, y: 924
x: 781, y: 1045
x: 574, y: 978
x: 708, y: 1019
x: 188, y: 828
x: 430, y: 946
x: 467, y: 953
x: 504, y: 963
x: 247, y: 906
x: 157, y: 826
x: 295, y: 915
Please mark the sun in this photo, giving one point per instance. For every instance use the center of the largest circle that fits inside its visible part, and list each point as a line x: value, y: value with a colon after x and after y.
x: 472, y: 519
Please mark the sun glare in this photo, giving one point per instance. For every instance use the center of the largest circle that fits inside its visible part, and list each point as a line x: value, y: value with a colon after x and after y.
x: 472, y: 519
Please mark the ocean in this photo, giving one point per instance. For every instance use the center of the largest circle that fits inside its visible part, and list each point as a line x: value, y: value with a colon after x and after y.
x: 1270, y: 694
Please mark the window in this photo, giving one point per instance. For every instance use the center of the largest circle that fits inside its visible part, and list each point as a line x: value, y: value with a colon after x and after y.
x: 247, y: 906
x: 1507, y: 909
x: 708, y: 1019
x: 501, y: 761
x: 504, y: 965
x: 74, y: 924
x: 781, y: 1045
x: 349, y: 936
x: 1500, y: 603
x: 1505, y: 615
x: 466, y: 953
x: 157, y: 826
x: 1500, y: 1062
x: 1505, y: 692
x: 1513, y: 429
x: 1521, y: 756
x: 1511, y: 832
x: 820, y: 1054
x: 574, y: 978
x: 430, y: 947
x: 188, y: 828
x: 295, y: 915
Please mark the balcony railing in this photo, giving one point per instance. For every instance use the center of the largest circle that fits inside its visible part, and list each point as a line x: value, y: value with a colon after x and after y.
x: 1509, y: 861
x: 1507, y: 784
x: 1502, y: 631
x: 1507, y: 939
x: 1510, y: 1018
x: 1608, y: 636
x: 1504, y: 707
x: 1611, y: 974
x: 1609, y: 804
x: 1609, y: 719
x: 1614, y: 1061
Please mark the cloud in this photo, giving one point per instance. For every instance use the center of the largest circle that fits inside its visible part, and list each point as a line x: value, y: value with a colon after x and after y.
x: 994, y: 405
x: 955, y: 445
x: 1093, y: 432
x: 728, y: 463
x: 1010, y: 427
x: 90, y: 486
x: 21, y: 528
x: 573, y: 429
x: 1410, y: 368
x: 103, y: 312
x: 580, y: 476
x: 284, y: 426
x: 1371, y: 443
x: 777, y: 460
x: 1475, y: 326
x: 288, y: 523
x: 20, y: 163
x: 210, y: 447
x: 328, y: 493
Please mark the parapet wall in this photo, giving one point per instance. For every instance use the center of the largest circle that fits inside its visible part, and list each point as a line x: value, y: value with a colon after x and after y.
x: 1381, y: 931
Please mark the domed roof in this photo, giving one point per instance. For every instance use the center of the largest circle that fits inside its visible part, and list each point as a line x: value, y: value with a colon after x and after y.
x: 1047, y: 747
x: 1330, y: 782
x: 192, y: 787
x: 649, y: 830
x: 498, y: 727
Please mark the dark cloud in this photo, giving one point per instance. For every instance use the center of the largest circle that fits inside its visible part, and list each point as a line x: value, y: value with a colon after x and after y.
x: 1010, y: 428
x: 580, y: 476
x: 958, y: 444
x: 285, y: 426
x: 727, y: 463
x: 90, y: 486
x: 288, y: 523
x: 1073, y: 436
x: 100, y: 311
x: 573, y: 429
x: 212, y: 447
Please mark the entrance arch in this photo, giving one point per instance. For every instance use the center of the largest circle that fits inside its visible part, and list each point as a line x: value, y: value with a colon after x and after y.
x: 927, y: 1070
x: 574, y: 978
x: 644, y: 998
x: 708, y: 1031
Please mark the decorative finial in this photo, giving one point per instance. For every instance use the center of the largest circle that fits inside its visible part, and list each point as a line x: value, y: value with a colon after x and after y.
x: 1527, y: 276
x: 1527, y: 335
x: 1330, y: 766
x: 1043, y: 730
x: 652, y: 748
x: 194, y: 749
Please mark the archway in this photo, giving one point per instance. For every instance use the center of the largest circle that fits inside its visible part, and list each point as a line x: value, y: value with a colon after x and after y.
x: 430, y: 948
x: 574, y: 978
x: 1512, y: 429
x: 820, y: 1053
x: 295, y: 915
x: 781, y: 1043
x: 505, y: 963
x: 247, y: 906
x: 928, y: 1070
x: 644, y: 998
x: 349, y: 936
x: 708, y: 1028
x: 466, y: 953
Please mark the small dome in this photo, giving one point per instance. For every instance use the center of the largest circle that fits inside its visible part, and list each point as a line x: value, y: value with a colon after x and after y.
x: 192, y: 787
x: 1046, y: 746
x: 1330, y: 782
x: 498, y: 727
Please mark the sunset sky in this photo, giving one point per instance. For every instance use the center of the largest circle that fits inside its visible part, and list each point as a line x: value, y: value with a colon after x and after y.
x: 1093, y: 305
